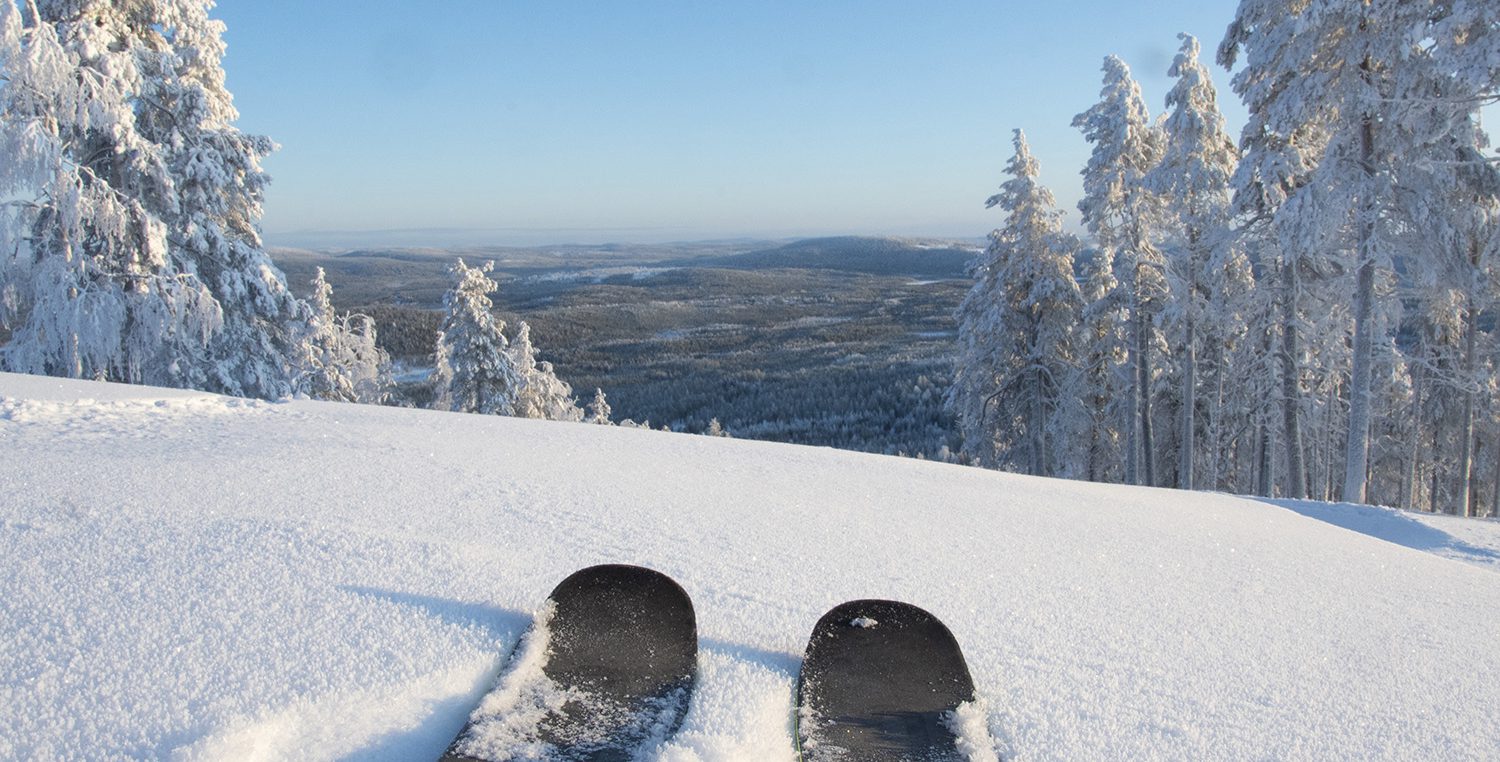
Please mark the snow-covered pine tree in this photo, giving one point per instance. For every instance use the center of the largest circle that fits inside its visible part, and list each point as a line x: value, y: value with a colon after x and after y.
x: 89, y: 287
x: 1016, y: 333
x: 129, y: 234
x: 344, y: 364
x: 212, y: 217
x: 1272, y: 193
x: 1465, y: 41
x: 1252, y: 436
x: 1333, y: 83
x: 541, y: 393
x: 1231, y: 286
x: 1194, y: 173
x: 475, y: 371
x: 1101, y: 381
x: 598, y: 410
x: 1123, y: 219
x: 1454, y: 225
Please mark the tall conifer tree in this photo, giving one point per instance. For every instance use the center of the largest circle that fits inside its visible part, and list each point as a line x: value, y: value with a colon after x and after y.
x: 1194, y: 174
x: 130, y: 243
x: 475, y: 370
x: 1123, y: 219
x: 1016, y: 343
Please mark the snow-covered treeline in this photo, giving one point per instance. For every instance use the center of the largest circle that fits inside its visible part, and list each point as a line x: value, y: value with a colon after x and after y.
x: 129, y: 248
x: 1308, y: 311
x: 128, y: 210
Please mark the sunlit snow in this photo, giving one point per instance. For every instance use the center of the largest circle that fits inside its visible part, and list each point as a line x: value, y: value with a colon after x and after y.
x: 197, y: 577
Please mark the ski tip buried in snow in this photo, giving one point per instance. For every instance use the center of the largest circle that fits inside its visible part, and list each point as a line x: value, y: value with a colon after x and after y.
x: 881, y: 680
x: 605, y: 671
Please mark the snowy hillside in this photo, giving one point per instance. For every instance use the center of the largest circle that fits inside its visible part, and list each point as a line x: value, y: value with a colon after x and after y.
x: 198, y: 577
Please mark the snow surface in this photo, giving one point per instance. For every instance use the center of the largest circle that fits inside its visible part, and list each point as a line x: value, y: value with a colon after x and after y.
x: 188, y: 576
x: 1470, y: 540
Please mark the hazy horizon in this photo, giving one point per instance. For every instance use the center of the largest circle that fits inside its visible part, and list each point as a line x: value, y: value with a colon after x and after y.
x: 534, y: 237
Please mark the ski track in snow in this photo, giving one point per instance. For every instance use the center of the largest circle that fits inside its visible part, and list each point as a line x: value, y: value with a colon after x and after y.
x: 193, y: 577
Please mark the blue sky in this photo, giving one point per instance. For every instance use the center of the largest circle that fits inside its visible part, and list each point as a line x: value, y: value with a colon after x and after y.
x: 533, y: 122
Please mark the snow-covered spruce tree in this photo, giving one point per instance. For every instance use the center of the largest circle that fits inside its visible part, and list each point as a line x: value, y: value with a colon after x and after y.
x: 598, y: 410
x: 89, y: 287
x: 1193, y: 174
x: 1273, y: 196
x: 1335, y: 82
x: 1100, y: 383
x: 219, y: 189
x: 1015, y: 338
x: 132, y: 250
x: 1225, y: 330
x: 1252, y: 434
x: 475, y: 371
x: 344, y: 364
x: 1123, y: 219
x: 1454, y: 225
x: 1446, y: 197
x: 541, y: 393
x: 1464, y: 40
x: 1272, y: 370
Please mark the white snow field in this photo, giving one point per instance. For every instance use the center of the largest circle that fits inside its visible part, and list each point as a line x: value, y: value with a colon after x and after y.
x: 186, y: 576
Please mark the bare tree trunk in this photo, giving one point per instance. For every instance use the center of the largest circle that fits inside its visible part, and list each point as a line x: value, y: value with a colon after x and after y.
x: 1186, y: 422
x: 1036, y: 428
x: 1471, y: 331
x: 1330, y: 452
x: 1291, y: 392
x: 1476, y: 481
x: 1495, y: 493
x: 1143, y: 387
x: 1432, y: 497
x: 1133, y: 413
x: 1414, y: 455
x: 1466, y: 432
x: 1357, y: 455
x: 1265, y: 463
x: 1217, y: 449
x: 1265, y: 478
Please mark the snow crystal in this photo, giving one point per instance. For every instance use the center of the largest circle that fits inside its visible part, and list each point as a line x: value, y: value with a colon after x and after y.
x: 970, y: 723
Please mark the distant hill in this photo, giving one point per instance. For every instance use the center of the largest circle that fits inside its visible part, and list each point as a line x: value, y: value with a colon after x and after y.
x: 877, y: 256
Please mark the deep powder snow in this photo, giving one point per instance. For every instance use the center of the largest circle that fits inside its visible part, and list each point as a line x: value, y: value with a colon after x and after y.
x: 188, y: 576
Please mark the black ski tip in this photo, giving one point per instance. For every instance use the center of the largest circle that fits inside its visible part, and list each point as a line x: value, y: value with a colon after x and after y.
x: 630, y: 628
x: 623, y: 641
x: 878, y: 682
x: 639, y: 581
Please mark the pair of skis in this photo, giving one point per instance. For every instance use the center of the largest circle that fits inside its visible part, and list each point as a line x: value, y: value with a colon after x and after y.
x: 609, y: 667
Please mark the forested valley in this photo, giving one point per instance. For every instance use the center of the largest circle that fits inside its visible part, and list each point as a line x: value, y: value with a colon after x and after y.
x: 843, y: 342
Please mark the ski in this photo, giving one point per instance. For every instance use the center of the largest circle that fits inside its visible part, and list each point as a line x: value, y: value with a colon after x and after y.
x: 607, y: 669
x: 880, y: 681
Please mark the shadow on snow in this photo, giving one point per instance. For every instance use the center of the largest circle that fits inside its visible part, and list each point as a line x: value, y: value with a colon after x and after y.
x: 447, y: 716
x: 1391, y: 525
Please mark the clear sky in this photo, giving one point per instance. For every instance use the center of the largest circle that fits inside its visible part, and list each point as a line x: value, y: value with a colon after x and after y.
x: 520, y: 121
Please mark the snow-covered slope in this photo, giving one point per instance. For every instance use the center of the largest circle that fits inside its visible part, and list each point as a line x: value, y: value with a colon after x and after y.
x: 183, y: 575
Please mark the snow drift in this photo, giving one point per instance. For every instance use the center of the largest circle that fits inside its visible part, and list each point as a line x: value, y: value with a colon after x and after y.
x: 199, y: 577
